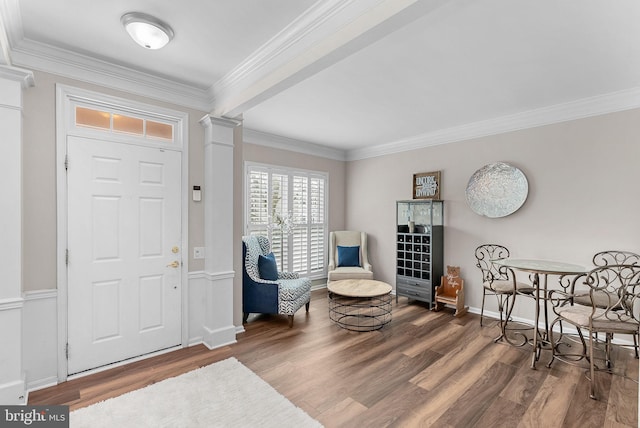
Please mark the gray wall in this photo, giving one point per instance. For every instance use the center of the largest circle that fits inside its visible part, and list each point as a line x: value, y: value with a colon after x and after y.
x: 335, y: 169
x: 39, y: 177
x: 39, y: 182
x: 582, y: 178
x: 583, y: 181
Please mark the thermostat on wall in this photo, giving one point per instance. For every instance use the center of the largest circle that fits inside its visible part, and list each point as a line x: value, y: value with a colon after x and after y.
x: 197, y: 194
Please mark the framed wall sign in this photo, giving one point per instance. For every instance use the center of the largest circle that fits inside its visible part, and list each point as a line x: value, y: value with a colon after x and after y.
x: 426, y: 185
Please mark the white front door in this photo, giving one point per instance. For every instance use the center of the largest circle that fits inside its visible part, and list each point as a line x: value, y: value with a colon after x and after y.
x: 124, y: 251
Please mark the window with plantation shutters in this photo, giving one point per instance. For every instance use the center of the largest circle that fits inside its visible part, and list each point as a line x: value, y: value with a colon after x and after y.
x: 289, y: 207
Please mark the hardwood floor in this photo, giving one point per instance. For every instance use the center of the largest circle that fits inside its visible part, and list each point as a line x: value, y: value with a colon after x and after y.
x: 423, y: 369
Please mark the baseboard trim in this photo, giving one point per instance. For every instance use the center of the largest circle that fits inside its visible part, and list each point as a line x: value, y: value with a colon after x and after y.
x: 13, y: 393
x: 42, y: 383
x: 220, y: 337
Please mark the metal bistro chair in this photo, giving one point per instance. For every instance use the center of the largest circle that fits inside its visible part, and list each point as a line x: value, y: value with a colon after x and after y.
x: 613, y: 291
x: 499, y: 281
x: 608, y: 258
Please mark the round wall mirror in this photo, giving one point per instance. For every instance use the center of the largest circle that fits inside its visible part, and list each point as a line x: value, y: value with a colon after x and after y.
x: 497, y: 190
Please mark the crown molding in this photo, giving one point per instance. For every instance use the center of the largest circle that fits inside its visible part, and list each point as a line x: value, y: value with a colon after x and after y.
x: 574, y: 110
x: 284, y: 143
x: 5, y: 52
x: 325, y: 26
x: 25, y: 77
x: 39, y: 56
x: 207, y: 120
x: 10, y: 28
x: 311, y: 19
x: 321, y: 36
x: 265, y: 56
x: 579, y: 109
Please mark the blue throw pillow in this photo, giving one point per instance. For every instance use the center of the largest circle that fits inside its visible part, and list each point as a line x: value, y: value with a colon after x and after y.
x: 268, y: 267
x: 348, y: 256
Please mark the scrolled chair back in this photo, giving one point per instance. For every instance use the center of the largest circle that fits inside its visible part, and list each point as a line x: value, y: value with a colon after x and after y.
x: 616, y: 257
x: 603, y: 258
x: 620, y: 283
x: 484, y: 255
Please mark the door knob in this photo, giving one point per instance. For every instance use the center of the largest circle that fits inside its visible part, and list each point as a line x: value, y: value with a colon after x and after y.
x: 174, y: 264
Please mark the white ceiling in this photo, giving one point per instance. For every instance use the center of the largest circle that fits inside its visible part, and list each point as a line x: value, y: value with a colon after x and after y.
x: 352, y: 78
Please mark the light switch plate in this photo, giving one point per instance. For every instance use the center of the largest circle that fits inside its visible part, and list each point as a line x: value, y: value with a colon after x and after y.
x: 198, y: 252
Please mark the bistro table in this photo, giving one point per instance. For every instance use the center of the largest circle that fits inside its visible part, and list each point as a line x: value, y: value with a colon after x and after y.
x: 537, y: 268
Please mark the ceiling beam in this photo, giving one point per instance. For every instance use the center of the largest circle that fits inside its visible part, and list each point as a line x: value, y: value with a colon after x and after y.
x: 323, y: 35
x: 5, y: 57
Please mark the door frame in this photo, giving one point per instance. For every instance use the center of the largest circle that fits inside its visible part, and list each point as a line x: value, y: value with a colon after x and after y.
x: 67, y: 98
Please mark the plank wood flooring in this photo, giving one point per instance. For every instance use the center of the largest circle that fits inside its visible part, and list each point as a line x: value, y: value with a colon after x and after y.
x: 423, y: 369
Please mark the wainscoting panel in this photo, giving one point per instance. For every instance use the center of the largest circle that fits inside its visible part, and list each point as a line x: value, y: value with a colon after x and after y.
x: 211, y: 309
x: 40, y: 338
x: 12, y: 386
x: 210, y: 321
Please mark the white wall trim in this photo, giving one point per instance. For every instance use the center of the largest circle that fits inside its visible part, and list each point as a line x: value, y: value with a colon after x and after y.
x: 14, y: 389
x: 41, y: 370
x: 12, y: 85
x: 25, y: 77
x: 494, y: 317
x: 312, y: 26
x: 217, y: 284
x: 579, y: 109
x: 214, y: 321
x: 38, y: 56
x: 311, y: 19
x: 39, y: 338
x: 219, y: 337
x: 211, y: 311
x: 284, y: 143
x: 212, y: 276
x: 39, y: 295
x: 13, y: 303
x: 322, y: 35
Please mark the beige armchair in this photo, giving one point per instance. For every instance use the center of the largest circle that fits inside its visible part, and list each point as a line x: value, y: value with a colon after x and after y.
x: 348, y: 262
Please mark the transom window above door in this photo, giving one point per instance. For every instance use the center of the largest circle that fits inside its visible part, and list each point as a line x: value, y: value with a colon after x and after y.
x: 86, y: 117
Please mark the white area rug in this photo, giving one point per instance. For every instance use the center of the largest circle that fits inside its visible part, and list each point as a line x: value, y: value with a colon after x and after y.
x: 224, y: 394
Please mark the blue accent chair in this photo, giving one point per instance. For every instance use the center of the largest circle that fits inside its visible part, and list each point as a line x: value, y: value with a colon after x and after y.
x: 284, y: 296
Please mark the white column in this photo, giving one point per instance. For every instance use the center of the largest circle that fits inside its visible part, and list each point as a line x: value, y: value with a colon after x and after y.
x: 12, y: 385
x: 217, y: 195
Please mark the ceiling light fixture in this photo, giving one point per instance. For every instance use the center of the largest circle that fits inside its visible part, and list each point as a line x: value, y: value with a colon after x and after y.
x: 147, y: 31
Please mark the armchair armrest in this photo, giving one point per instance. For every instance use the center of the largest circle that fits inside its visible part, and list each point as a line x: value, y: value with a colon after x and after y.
x: 367, y: 266
x: 560, y: 298
x: 288, y: 275
x: 332, y: 265
x: 264, y: 282
x: 260, y: 297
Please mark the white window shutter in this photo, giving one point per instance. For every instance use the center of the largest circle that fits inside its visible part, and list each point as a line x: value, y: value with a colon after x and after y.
x: 276, y: 192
